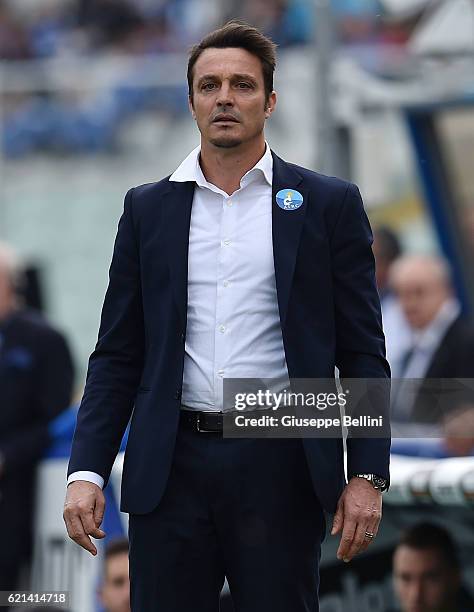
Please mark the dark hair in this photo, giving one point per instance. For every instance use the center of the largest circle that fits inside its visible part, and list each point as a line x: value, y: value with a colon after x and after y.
x: 116, y: 546
x: 388, y: 243
x: 428, y: 536
x: 237, y: 34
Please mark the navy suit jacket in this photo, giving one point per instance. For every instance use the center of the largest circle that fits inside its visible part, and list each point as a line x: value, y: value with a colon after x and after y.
x: 329, y: 313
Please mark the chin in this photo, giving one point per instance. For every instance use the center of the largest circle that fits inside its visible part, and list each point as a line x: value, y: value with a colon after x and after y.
x: 226, y: 142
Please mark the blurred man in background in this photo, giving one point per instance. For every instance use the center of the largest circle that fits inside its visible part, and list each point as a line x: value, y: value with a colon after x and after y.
x: 426, y: 572
x: 442, y: 342
x: 36, y: 378
x: 114, y: 591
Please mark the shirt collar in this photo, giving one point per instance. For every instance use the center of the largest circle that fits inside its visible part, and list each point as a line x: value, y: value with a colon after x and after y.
x: 190, y: 169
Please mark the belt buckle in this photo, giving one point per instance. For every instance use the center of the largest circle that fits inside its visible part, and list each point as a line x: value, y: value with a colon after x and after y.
x: 198, y: 426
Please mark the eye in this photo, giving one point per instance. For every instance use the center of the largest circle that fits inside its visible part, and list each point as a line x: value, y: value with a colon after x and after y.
x: 207, y: 86
x: 244, y: 85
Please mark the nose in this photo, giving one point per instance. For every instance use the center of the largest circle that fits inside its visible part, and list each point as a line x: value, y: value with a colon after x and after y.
x: 416, y: 596
x: 225, y: 97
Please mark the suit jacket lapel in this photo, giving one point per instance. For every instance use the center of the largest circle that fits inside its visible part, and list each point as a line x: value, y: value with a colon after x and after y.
x: 286, y: 231
x: 177, y: 217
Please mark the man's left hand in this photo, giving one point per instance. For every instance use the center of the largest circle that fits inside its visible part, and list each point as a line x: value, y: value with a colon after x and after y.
x: 359, y: 510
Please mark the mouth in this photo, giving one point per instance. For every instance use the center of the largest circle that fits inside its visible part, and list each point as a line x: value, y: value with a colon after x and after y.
x: 225, y: 119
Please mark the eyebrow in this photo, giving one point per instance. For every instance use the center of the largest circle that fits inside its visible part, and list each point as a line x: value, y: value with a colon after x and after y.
x: 235, y: 77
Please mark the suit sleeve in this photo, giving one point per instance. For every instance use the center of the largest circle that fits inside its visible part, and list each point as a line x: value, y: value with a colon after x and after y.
x: 52, y: 396
x: 116, y: 364
x: 360, y: 343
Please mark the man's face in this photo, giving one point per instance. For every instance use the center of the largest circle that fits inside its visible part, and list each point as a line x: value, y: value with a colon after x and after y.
x: 422, y: 581
x: 421, y: 298
x: 229, y: 102
x: 115, y: 591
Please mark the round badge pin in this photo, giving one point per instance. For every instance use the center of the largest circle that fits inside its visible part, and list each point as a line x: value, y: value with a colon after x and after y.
x: 289, y: 199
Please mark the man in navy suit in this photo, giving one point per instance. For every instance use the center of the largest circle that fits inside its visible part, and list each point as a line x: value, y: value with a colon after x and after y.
x: 238, y: 265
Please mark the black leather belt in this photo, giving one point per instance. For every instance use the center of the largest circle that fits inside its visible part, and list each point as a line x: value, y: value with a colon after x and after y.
x: 201, y: 421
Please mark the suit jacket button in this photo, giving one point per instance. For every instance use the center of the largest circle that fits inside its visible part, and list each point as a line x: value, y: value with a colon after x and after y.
x: 183, y: 337
x: 177, y: 395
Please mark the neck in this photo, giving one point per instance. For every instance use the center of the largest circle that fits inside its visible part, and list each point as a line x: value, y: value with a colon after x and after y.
x: 225, y: 168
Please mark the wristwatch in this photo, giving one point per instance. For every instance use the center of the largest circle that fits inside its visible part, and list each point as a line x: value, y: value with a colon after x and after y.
x: 379, y: 483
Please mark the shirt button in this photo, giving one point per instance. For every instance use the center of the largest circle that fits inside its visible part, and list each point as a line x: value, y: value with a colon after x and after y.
x: 226, y: 242
x: 226, y: 283
x: 222, y: 328
x: 229, y: 202
x: 220, y: 373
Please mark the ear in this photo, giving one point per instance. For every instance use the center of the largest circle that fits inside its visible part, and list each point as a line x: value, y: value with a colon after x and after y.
x: 191, y: 107
x: 271, y: 104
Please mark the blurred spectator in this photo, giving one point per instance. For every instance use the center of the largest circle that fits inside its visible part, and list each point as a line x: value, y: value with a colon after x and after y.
x: 287, y: 22
x: 36, y: 377
x: 114, y: 591
x: 426, y: 572
x: 442, y: 343
x: 109, y: 22
x: 266, y: 15
x: 387, y: 249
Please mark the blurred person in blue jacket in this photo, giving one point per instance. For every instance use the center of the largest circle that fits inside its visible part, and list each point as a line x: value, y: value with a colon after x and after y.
x: 36, y: 377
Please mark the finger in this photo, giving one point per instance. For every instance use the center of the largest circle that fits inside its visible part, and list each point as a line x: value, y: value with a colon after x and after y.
x: 75, y: 530
x: 90, y: 527
x: 373, y: 524
x: 338, y: 520
x: 346, y: 537
x: 373, y: 527
x: 99, y: 511
x: 357, y: 541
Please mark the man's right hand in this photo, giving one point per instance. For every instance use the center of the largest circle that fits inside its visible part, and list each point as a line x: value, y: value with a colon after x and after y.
x: 83, y: 513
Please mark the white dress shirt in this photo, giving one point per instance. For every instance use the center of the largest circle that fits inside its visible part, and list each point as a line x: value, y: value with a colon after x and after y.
x: 233, y: 324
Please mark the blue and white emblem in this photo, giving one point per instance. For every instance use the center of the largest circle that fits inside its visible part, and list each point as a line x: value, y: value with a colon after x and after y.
x: 289, y: 199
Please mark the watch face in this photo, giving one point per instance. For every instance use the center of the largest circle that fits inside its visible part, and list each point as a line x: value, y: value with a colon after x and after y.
x: 379, y: 482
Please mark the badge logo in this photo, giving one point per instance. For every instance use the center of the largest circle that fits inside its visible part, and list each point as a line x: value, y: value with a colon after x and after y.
x: 289, y: 199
